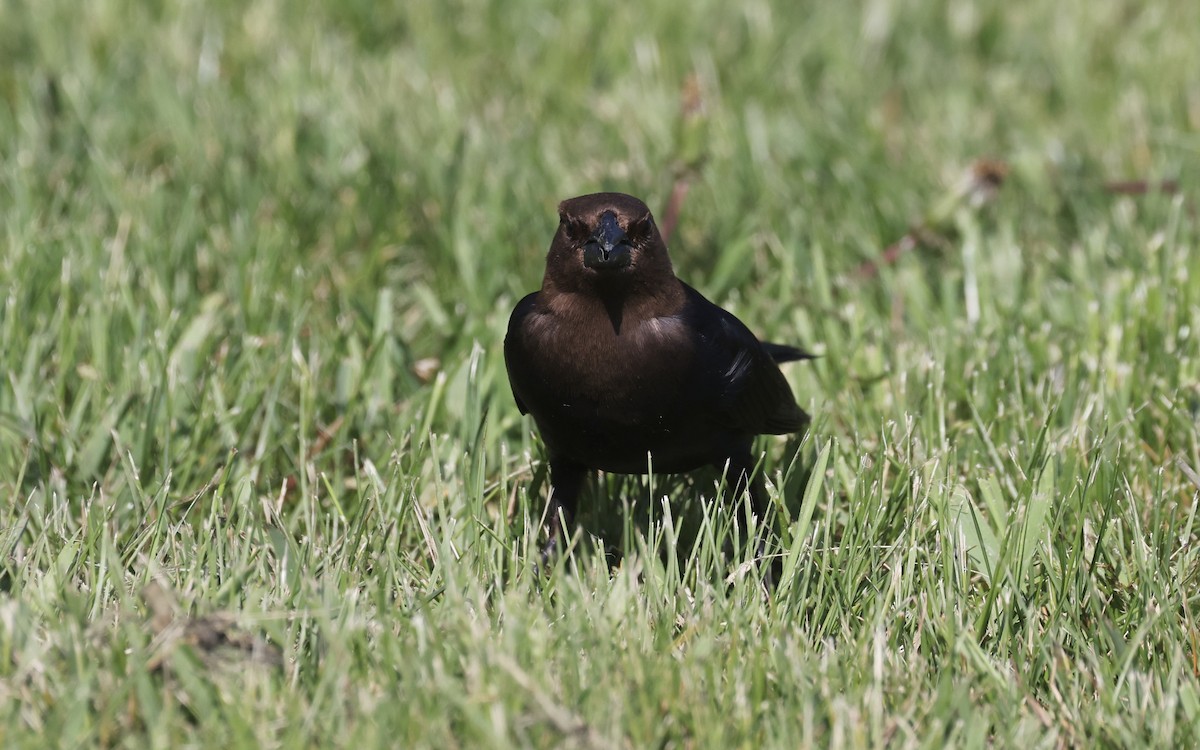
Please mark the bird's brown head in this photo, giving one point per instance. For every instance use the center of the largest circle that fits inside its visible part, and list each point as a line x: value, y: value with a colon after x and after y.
x: 607, y: 243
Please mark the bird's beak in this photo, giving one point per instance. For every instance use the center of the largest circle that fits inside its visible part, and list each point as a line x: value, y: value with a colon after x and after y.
x: 608, y: 248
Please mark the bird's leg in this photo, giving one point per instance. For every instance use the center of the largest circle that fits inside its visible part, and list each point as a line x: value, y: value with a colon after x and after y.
x: 566, y: 479
x: 741, y: 469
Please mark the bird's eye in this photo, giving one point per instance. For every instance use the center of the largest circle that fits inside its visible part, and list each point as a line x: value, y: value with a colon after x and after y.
x: 639, y: 229
x: 576, y: 230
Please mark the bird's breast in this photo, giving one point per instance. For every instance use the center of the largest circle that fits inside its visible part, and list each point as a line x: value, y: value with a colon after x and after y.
x: 633, y: 373
x: 607, y: 398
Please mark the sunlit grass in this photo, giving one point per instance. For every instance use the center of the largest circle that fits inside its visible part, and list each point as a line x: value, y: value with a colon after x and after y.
x: 265, y: 485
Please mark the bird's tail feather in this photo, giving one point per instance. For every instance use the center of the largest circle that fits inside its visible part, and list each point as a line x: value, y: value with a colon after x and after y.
x: 784, y: 353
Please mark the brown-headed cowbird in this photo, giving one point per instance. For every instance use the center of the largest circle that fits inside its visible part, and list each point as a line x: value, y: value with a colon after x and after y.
x: 618, y: 360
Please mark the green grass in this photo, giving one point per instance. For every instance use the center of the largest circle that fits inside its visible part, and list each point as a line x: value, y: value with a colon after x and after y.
x: 231, y: 231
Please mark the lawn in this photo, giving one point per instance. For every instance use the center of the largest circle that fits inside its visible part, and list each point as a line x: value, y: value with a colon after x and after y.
x: 263, y: 483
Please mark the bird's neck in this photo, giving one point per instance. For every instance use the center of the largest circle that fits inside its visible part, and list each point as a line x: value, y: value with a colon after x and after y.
x: 621, y: 305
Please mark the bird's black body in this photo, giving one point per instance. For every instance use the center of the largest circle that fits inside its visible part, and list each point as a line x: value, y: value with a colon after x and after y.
x: 617, y: 359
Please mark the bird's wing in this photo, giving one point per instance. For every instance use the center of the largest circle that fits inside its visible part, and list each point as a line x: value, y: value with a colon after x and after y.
x: 751, y: 394
x: 512, y: 345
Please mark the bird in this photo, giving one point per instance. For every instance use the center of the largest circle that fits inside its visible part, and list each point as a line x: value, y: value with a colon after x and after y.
x: 626, y: 369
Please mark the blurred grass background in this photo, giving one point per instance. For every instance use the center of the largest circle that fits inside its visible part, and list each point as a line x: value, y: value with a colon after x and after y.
x: 258, y: 260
